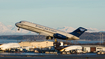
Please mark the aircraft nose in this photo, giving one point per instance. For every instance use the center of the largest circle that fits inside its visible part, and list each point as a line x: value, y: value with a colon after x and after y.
x: 16, y: 24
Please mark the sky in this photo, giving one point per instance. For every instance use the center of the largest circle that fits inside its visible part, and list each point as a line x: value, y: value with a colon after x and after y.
x: 54, y: 13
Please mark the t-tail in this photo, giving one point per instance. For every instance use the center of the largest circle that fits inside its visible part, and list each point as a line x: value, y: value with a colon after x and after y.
x: 78, y: 32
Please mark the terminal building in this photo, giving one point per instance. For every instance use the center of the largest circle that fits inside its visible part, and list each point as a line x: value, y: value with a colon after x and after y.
x: 46, y: 44
x: 93, y: 48
x: 37, y: 44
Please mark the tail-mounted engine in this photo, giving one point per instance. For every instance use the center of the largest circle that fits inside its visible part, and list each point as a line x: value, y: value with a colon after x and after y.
x: 49, y: 37
x: 59, y: 36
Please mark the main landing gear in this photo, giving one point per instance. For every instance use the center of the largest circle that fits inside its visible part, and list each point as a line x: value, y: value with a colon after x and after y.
x: 55, y: 39
x: 49, y: 37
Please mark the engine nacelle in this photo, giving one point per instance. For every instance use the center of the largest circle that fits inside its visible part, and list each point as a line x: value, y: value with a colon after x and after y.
x: 59, y: 36
x: 49, y: 37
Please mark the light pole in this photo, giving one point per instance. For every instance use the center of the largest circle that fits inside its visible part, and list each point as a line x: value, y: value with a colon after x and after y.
x: 100, y: 38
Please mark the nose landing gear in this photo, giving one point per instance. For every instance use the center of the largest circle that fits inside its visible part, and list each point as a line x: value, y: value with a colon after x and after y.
x: 18, y: 28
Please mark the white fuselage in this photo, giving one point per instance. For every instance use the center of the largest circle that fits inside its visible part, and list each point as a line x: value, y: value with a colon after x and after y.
x: 73, y: 47
x: 9, y: 46
x: 42, y: 30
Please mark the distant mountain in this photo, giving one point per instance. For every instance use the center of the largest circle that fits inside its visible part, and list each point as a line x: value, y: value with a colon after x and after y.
x: 12, y: 30
x: 70, y: 29
x: 66, y: 29
x: 85, y: 36
x: 101, y: 31
x: 23, y: 37
x: 93, y: 36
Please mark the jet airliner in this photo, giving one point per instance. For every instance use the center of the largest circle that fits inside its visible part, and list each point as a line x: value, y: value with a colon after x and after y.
x: 51, y: 33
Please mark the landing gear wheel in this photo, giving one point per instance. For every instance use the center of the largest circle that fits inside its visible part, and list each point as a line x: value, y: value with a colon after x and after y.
x: 55, y: 40
x: 18, y: 29
x: 48, y: 37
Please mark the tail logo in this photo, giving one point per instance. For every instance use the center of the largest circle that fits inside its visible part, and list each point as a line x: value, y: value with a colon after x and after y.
x: 79, y: 32
x: 81, y: 29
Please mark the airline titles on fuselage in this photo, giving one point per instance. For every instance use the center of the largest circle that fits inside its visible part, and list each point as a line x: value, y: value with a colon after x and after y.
x: 45, y: 28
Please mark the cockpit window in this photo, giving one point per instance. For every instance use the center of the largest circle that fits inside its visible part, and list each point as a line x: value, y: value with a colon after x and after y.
x: 22, y: 22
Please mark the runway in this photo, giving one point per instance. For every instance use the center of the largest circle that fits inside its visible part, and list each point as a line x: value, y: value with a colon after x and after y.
x: 49, y: 56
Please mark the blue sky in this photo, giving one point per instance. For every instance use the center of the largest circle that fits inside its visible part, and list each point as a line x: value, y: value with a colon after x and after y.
x: 54, y: 13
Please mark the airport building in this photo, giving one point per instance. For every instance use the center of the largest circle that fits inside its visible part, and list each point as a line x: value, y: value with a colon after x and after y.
x: 37, y: 44
x: 93, y: 48
x: 44, y: 44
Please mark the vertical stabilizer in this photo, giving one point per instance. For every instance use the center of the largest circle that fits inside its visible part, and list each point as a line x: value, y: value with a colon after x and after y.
x: 78, y: 32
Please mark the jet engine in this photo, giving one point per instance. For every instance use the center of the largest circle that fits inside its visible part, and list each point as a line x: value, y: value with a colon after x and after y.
x: 49, y: 37
x: 59, y: 36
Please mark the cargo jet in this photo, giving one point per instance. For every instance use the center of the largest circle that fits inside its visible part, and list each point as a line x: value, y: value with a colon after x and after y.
x: 49, y: 32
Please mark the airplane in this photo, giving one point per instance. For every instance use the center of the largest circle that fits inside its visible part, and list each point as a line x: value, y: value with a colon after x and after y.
x: 50, y: 33
x: 72, y: 49
x: 8, y: 46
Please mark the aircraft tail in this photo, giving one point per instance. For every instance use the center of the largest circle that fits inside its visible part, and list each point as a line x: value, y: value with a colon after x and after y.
x: 78, y: 32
